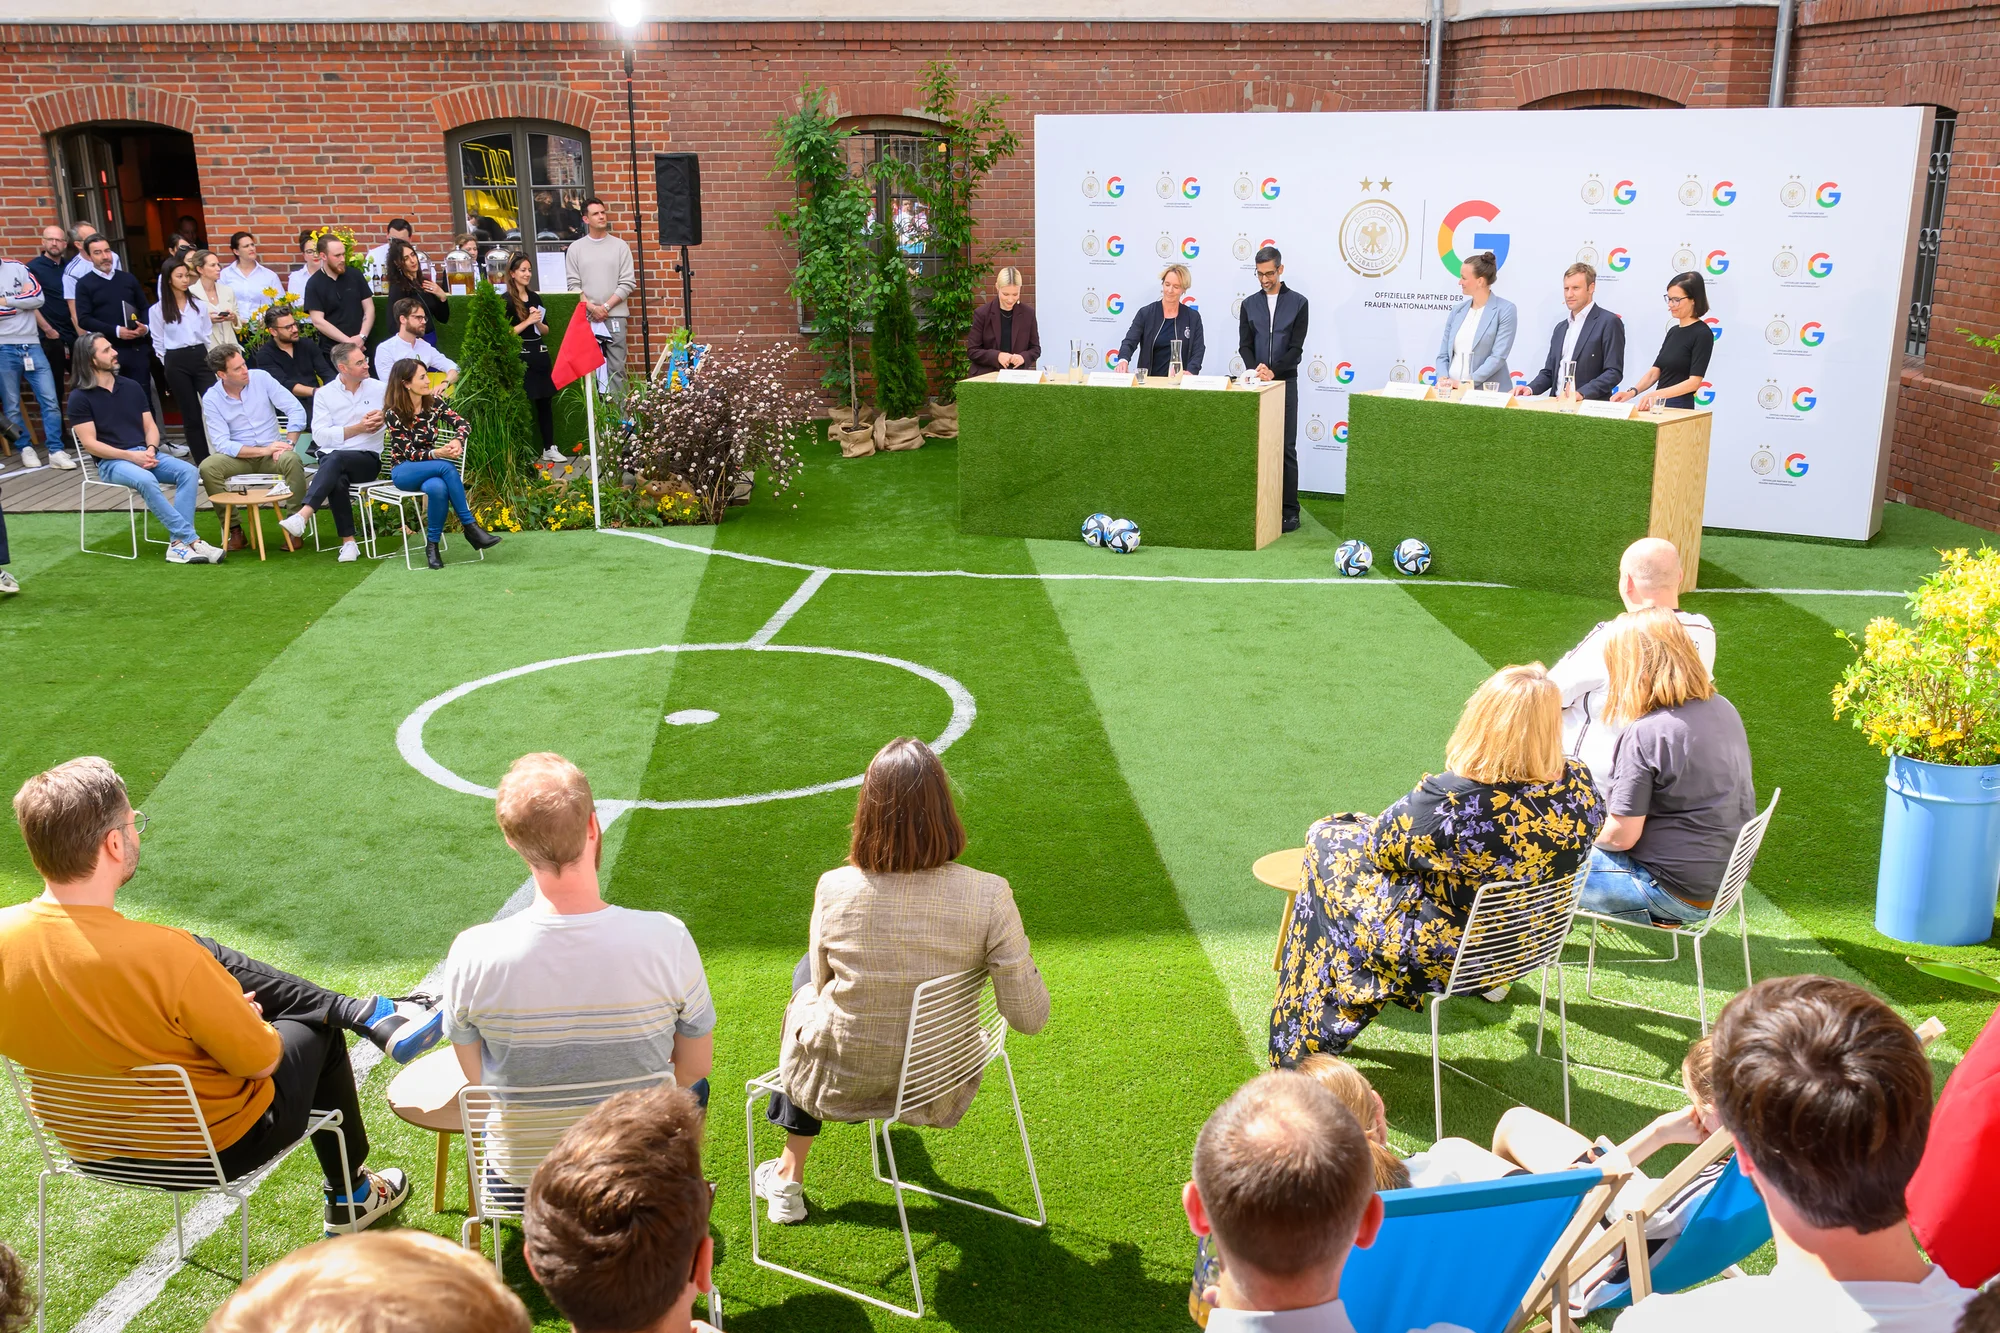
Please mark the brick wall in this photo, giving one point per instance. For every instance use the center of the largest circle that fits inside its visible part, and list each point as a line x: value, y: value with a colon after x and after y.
x: 295, y: 124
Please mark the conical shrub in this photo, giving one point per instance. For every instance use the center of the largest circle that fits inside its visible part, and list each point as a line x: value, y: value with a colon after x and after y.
x: 898, y: 365
x: 492, y: 398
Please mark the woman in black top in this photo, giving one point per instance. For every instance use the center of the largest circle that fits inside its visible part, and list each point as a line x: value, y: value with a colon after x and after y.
x: 524, y: 311
x: 406, y: 278
x: 1149, y: 342
x: 1683, y: 360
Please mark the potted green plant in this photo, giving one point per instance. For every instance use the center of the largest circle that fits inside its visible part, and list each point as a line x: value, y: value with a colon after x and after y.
x: 1927, y: 695
x: 896, y: 362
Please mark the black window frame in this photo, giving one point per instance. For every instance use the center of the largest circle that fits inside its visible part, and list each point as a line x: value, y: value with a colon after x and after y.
x: 519, y: 130
x: 1930, y: 232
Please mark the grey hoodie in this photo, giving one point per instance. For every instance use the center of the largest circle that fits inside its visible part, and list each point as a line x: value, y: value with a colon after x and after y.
x: 20, y: 297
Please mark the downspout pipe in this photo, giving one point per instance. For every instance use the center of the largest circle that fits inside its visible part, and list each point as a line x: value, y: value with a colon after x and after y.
x: 1781, y: 52
x: 1436, y: 60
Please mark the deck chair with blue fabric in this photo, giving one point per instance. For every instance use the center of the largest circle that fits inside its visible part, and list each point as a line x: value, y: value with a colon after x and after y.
x: 1477, y: 1258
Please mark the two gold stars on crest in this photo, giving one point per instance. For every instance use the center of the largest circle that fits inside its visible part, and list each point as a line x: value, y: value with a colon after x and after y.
x: 1367, y: 184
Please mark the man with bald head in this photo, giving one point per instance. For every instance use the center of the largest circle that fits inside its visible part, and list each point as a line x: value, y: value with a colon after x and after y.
x: 1649, y: 574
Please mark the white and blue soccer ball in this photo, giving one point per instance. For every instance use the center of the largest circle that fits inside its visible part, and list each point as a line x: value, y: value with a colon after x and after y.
x: 1093, y: 528
x: 1353, y: 559
x: 1122, y: 536
x: 1413, y: 556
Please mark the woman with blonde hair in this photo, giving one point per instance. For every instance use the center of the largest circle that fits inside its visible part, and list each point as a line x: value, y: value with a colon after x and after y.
x: 1385, y: 898
x: 901, y: 912
x: 1680, y: 777
x: 217, y: 298
x: 1148, y: 344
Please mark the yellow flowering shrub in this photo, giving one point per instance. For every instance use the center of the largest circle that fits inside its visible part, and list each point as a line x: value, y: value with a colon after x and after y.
x: 1930, y: 689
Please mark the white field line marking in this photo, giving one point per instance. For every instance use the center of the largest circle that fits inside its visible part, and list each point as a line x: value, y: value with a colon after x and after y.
x: 792, y: 607
x: 410, y: 735
x: 1335, y: 581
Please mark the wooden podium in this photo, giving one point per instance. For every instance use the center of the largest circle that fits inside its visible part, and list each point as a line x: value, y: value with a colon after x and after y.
x: 1528, y: 495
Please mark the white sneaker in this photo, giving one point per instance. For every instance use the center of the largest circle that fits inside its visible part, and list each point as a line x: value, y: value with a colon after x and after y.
x: 386, y: 1192
x: 550, y: 455
x: 60, y: 458
x: 349, y: 553
x: 1497, y: 995
x: 786, y: 1197
x: 29, y: 458
x: 294, y: 523
x: 7, y: 585
x: 214, y: 555
x: 174, y: 447
x: 179, y: 554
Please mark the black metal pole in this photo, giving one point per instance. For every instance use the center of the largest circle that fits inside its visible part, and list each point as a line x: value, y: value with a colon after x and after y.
x: 638, y: 221
x: 686, y: 267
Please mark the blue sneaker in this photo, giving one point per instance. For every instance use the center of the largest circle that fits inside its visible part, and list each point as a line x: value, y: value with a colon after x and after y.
x: 405, y: 1029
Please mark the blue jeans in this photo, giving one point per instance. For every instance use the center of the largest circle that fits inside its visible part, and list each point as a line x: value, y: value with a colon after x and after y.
x: 1621, y: 887
x: 177, y: 516
x: 441, y: 485
x: 18, y: 360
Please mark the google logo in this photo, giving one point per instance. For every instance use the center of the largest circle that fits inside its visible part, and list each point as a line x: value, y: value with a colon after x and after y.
x: 1114, y: 246
x: 1714, y: 326
x: 1704, y: 395
x: 1190, y: 188
x: 1270, y: 187
x: 1115, y: 187
x: 1829, y: 195
x: 1718, y: 262
x: 1820, y: 265
x: 1795, y: 465
x: 1804, y: 401
x: 1624, y: 192
x: 1340, y: 432
x: 1724, y: 193
x: 1344, y: 373
x: 1428, y: 375
x: 1481, y: 240
x: 1114, y: 304
x: 1618, y: 260
x: 1811, y: 334
x: 1190, y: 303
x: 1190, y: 248
x: 1111, y: 358
x: 1519, y: 377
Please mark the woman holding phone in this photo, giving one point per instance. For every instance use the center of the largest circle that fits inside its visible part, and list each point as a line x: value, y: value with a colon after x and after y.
x: 530, y: 320
x: 1683, y: 360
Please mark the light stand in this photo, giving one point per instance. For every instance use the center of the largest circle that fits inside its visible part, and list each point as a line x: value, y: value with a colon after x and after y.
x: 638, y: 217
x: 685, y: 267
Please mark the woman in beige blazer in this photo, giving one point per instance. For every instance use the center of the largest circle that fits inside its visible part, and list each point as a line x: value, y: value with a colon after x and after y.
x: 901, y: 912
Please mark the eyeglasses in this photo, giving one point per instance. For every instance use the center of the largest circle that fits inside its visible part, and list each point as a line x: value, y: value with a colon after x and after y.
x: 138, y: 823
x: 1675, y: 300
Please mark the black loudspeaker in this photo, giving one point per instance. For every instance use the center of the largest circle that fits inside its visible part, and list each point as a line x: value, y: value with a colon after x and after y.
x: 677, y: 179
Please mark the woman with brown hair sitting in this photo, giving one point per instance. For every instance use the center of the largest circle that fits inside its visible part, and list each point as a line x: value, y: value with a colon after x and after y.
x: 901, y: 912
x: 425, y: 441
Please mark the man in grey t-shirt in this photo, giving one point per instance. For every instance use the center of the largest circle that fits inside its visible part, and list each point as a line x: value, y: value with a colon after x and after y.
x: 1680, y: 794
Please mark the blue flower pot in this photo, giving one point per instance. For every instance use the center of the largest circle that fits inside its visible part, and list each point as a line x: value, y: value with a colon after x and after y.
x: 1940, y: 874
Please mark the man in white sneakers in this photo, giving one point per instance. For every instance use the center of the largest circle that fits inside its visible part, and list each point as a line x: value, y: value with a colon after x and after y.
x: 1828, y: 1095
x: 25, y: 365
x: 114, y: 423
x: 347, y: 424
x: 573, y: 989
x: 1649, y: 574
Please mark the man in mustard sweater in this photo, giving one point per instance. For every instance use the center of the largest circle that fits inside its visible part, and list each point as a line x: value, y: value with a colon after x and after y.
x: 84, y: 990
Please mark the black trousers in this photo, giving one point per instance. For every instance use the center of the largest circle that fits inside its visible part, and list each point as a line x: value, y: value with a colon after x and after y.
x: 545, y: 420
x: 57, y: 351
x: 783, y: 1111
x: 188, y: 378
x: 338, y: 470
x: 3, y: 536
x: 313, y: 1072
x: 1291, y: 503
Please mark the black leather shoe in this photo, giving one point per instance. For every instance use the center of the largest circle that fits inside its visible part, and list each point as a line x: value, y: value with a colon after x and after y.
x: 431, y: 556
x: 479, y: 538
x: 1290, y: 525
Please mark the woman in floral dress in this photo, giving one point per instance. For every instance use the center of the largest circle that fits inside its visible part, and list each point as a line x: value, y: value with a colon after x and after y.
x: 1384, y: 898
x: 425, y: 441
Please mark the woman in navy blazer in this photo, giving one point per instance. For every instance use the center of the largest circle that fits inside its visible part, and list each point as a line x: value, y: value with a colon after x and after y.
x: 1484, y: 360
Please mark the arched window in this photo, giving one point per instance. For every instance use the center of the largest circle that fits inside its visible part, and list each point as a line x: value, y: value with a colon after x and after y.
x: 539, y: 211
x: 886, y: 151
x: 1603, y: 99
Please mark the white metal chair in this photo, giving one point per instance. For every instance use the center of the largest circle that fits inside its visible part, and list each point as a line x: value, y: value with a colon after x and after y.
x: 138, y: 518
x: 1514, y: 929
x: 1728, y: 896
x: 364, y: 513
x: 388, y: 493
x: 141, y: 1130
x: 956, y: 1030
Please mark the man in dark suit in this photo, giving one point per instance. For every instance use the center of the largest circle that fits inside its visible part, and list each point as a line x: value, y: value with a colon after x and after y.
x: 1271, y: 337
x: 109, y: 302
x: 1592, y: 337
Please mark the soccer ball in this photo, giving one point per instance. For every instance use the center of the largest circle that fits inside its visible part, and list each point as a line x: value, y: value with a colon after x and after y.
x: 1122, y: 536
x: 1412, y: 556
x: 1353, y: 558
x: 1093, y: 528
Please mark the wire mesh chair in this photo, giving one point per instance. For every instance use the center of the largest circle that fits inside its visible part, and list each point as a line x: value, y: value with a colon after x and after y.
x: 956, y: 1030
x: 364, y: 513
x: 1730, y: 895
x: 1515, y: 928
x: 138, y: 518
x: 140, y: 1130
x: 388, y: 492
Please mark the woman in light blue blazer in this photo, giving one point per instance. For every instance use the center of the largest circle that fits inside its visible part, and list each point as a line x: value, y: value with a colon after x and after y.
x: 1479, y: 332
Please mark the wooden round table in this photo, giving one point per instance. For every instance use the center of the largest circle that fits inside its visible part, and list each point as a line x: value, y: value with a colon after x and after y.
x: 253, y: 502
x: 1282, y: 871
x: 425, y: 1094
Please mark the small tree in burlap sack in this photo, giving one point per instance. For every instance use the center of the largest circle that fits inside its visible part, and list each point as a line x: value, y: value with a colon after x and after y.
x: 490, y: 395
x: 893, y: 356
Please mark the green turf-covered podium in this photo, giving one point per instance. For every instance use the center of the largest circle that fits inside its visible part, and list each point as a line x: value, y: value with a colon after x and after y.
x: 1528, y: 495
x: 1190, y: 467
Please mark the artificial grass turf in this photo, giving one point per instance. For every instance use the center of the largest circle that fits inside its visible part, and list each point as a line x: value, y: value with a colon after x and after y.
x: 1035, y: 460
x: 1498, y: 493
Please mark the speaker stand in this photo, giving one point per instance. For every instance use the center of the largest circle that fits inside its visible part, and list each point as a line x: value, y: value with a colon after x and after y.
x: 685, y: 267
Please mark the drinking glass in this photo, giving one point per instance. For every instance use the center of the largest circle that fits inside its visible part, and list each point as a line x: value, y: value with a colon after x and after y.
x: 1138, y: 374
x: 1490, y: 386
x: 1174, y: 359
x: 1658, y: 407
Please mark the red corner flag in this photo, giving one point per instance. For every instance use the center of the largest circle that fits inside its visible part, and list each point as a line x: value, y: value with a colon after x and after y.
x: 579, y: 355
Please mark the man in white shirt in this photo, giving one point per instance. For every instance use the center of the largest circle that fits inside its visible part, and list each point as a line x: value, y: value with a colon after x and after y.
x: 241, y: 412
x: 1283, y: 1190
x: 347, y: 425
x: 377, y: 265
x: 573, y: 989
x: 255, y: 286
x: 1649, y: 574
x: 407, y: 342
x: 1828, y: 1096
x: 1591, y: 342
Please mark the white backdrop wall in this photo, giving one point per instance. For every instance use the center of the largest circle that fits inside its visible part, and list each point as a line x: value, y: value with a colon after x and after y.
x: 1802, y: 222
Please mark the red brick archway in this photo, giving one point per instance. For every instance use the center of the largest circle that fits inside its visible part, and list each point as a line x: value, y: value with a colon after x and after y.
x: 1256, y: 95
x: 513, y: 101
x: 86, y: 103
x: 1641, y: 80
